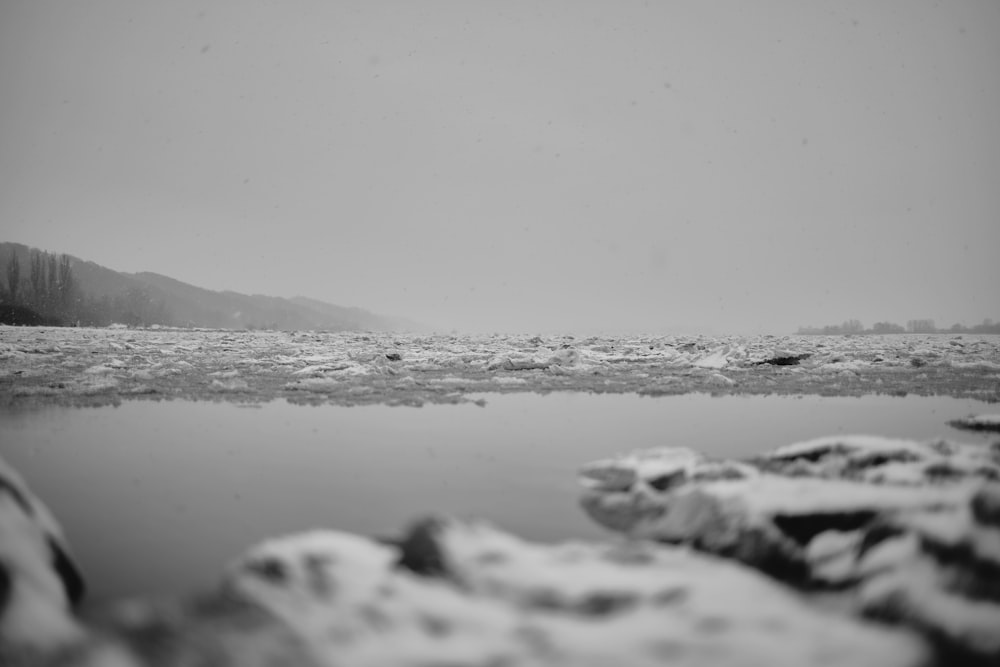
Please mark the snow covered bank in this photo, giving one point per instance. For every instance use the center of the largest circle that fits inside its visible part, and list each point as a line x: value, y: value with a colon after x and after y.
x: 907, y: 532
x: 910, y: 530
x: 95, y: 366
x: 467, y: 594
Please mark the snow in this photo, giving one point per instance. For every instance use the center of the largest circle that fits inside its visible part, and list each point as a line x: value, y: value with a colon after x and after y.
x: 36, y: 597
x: 916, y: 593
x: 179, y: 360
x: 768, y: 495
x: 914, y: 527
x: 717, y: 359
x: 884, y: 460
x: 988, y: 422
x: 505, y: 600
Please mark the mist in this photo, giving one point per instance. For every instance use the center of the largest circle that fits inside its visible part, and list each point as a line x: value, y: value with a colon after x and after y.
x: 581, y: 167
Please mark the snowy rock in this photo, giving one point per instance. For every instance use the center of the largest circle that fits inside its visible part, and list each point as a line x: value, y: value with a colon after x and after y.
x: 881, y: 460
x: 39, y: 580
x: 462, y: 593
x: 938, y: 569
x: 978, y: 423
x: 467, y: 594
x: 910, y: 529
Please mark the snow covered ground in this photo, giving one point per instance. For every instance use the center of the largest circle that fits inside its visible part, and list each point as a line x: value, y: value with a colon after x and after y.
x: 905, y: 530
x: 100, y: 366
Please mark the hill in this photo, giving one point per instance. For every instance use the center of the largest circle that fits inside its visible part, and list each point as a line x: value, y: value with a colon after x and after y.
x: 101, y: 295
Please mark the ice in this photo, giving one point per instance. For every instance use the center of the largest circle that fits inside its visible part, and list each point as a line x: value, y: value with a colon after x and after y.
x: 988, y: 422
x: 48, y: 361
x: 913, y: 527
x: 481, y: 596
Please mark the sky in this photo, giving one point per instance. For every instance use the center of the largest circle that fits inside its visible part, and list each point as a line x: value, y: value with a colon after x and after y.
x: 571, y: 166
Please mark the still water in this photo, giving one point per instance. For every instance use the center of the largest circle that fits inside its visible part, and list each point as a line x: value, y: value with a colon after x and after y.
x: 156, y: 496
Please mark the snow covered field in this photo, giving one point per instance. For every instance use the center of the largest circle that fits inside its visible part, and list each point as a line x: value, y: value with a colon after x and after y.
x: 103, y: 366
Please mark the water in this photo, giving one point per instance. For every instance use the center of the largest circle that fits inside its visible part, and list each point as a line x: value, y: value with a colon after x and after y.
x: 157, y: 496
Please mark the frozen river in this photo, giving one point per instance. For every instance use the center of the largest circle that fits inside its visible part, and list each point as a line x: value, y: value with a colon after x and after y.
x: 156, y: 496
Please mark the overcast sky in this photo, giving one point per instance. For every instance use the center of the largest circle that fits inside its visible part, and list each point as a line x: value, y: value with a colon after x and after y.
x: 536, y: 166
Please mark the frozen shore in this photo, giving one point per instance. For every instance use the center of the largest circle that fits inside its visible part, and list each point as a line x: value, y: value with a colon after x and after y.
x: 853, y: 550
x: 103, y: 366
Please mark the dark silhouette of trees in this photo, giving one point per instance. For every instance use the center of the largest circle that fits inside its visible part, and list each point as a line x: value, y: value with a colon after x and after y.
x: 925, y: 326
x: 50, y: 295
x: 887, y: 328
x: 36, y: 279
x: 921, y: 326
x: 13, y: 278
x: 66, y: 285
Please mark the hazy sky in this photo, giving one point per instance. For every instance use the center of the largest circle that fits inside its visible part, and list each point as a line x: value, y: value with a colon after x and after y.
x: 520, y: 166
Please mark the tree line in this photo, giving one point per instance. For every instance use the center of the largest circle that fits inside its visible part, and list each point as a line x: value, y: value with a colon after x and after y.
x: 924, y: 326
x: 46, y: 292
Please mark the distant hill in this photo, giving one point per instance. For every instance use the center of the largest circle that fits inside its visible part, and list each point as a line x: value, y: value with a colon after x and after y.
x: 103, y: 294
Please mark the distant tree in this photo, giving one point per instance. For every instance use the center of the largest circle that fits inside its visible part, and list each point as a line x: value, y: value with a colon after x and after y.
x: 887, y: 328
x: 51, y: 280
x: 36, y: 277
x: 921, y: 326
x: 67, y: 284
x: 13, y: 276
x: 852, y: 327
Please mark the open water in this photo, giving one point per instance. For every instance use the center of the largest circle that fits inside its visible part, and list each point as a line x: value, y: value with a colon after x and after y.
x: 157, y: 496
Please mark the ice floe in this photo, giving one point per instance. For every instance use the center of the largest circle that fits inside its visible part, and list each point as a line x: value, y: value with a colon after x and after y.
x: 978, y: 422
x: 465, y: 593
x: 910, y: 529
x: 54, y: 362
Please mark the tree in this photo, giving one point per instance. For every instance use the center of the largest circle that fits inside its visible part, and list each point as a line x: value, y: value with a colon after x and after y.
x: 921, y: 326
x: 36, y: 277
x: 887, y: 328
x: 66, y: 286
x: 852, y: 327
x: 13, y: 276
x: 52, y: 280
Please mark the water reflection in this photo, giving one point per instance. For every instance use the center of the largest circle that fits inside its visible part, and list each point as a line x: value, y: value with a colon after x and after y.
x: 156, y: 496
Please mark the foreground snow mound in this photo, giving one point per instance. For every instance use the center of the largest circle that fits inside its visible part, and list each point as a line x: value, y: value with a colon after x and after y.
x: 460, y: 593
x: 466, y: 594
x: 911, y: 530
x: 39, y: 580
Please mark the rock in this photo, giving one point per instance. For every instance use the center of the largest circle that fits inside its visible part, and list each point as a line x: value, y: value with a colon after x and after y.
x: 909, y: 530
